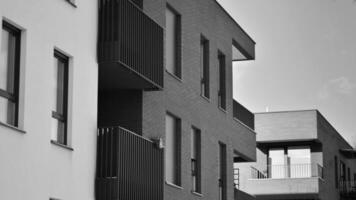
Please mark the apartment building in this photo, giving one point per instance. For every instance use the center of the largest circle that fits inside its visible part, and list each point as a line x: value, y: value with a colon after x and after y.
x: 48, y: 99
x: 300, y: 156
x: 165, y: 87
x: 121, y: 99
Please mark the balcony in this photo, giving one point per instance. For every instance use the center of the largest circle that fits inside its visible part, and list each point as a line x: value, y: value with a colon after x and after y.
x: 129, y: 166
x: 243, y: 115
x: 130, y: 47
x: 347, y: 190
x: 286, y: 181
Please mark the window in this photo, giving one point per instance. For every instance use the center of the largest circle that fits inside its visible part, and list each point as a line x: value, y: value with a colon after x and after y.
x: 196, y: 159
x: 9, y: 74
x: 222, y: 81
x: 336, y: 164
x: 60, y: 97
x: 204, y: 67
x: 342, y: 172
x: 172, y: 150
x: 173, y: 32
x: 222, y: 173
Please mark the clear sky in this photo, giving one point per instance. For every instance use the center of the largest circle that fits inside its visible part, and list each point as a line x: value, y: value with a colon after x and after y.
x: 305, y: 58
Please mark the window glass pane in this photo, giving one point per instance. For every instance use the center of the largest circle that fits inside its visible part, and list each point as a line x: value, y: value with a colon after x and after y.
x: 58, y: 131
x: 53, y: 85
x: 170, y: 149
x: 276, y: 159
x: 7, y: 111
x: 3, y: 59
x: 171, y: 41
x: 202, y: 67
x: 299, y: 159
x: 193, y: 143
x: 7, y: 61
x: 60, y: 87
x: 57, y: 85
x: 54, y: 129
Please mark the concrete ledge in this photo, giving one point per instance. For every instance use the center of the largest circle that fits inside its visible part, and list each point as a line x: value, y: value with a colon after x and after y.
x: 290, y: 186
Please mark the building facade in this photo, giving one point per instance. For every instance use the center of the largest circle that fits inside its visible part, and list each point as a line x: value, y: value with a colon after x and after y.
x: 300, y: 156
x: 184, y: 102
x: 121, y: 100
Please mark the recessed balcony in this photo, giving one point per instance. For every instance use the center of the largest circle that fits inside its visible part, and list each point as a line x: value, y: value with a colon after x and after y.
x: 130, y: 47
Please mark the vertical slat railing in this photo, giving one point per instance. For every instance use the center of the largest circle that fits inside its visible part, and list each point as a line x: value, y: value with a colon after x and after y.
x: 129, y: 166
x: 131, y: 38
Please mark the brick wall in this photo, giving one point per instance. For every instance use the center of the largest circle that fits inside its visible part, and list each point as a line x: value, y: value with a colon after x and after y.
x: 182, y: 97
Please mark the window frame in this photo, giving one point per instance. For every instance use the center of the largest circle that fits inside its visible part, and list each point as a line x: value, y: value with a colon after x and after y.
x: 204, y: 67
x: 222, y: 182
x: 63, y: 118
x: 177, y: 43
x: 13, y: 97
x: 222, y: 80
x: 196, y: 160
x: 177, y: 146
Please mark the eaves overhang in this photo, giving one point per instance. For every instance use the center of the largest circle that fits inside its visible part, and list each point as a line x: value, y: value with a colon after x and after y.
x: 348, y: 153
x: 264, y: 145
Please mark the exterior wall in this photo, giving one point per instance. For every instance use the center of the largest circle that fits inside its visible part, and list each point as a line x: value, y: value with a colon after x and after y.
x: 182, y: 97
x: 31, y: 167
x: 286, y: 126
x: 332, y: 143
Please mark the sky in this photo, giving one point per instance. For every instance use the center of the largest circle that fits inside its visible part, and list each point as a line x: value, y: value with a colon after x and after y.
x: 305, y: 58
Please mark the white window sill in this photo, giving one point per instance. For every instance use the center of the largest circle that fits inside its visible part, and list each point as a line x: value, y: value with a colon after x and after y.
x: 12, y: 127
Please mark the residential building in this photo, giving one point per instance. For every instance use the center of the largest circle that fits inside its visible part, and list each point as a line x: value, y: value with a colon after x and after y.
x: 299, y: 156
x: 165, y: 85
x: 48, y: 99
x: 121, y: 99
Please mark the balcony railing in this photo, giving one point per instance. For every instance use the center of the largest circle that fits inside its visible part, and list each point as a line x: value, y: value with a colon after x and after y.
x: 348, y: 189
x: 243, y: 115
x: 130, y: 46
x: 289, y: 171
x: 128, y: 166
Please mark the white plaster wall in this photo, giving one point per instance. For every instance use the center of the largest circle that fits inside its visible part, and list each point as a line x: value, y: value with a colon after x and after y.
x: 31, y: 167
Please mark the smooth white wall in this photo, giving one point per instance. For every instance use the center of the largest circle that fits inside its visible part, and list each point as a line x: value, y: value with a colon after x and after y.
x: 31, y: 167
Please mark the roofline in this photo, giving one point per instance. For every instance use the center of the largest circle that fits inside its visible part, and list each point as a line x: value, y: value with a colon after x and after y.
x: 338, y: 133
x: 318, y: 113
x: 228, y: 14
x: 287, y: 111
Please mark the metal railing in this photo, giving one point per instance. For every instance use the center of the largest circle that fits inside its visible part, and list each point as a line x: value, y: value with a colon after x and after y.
x: 236, y: 178
x: 348, y: 188
x: 289, y: 171
x: 128, y: 167
x: 257, y: 174
x: 129, y: 37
